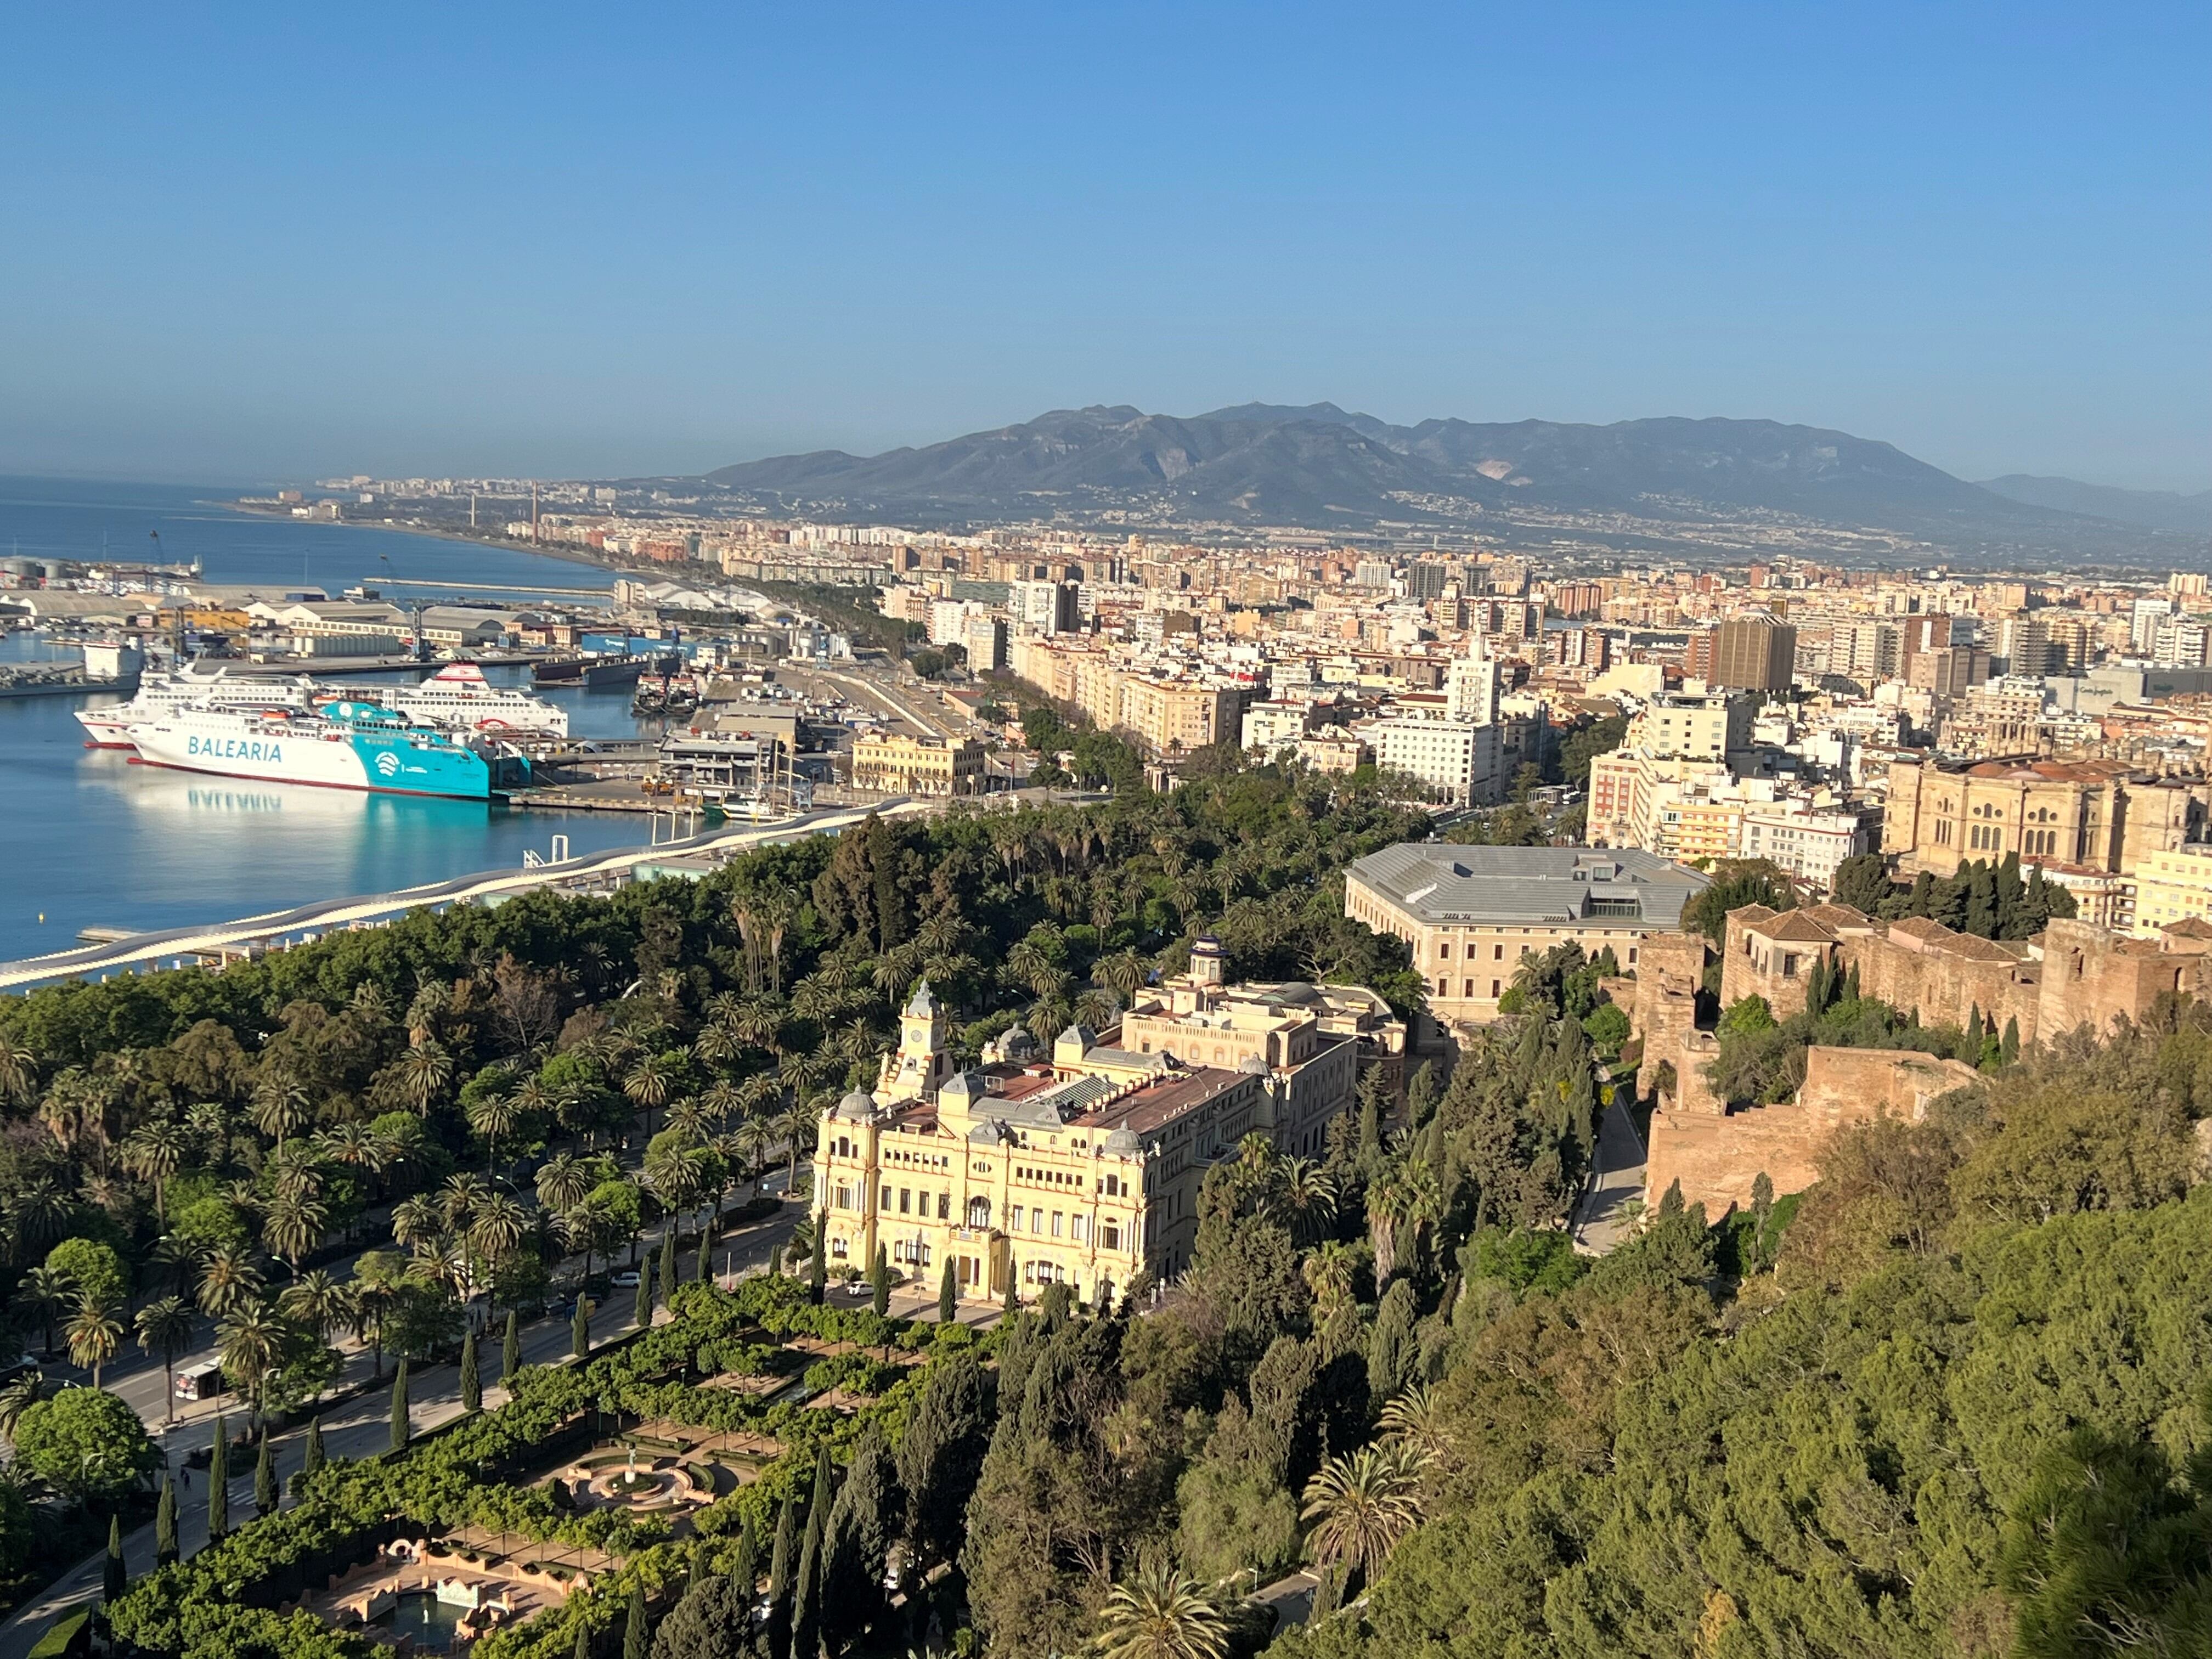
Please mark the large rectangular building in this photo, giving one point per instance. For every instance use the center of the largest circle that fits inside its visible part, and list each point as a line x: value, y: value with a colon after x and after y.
x: 1470, y: 912
x: 897, y: 764
x: 2100, y: 815
x: 1084, y: 1167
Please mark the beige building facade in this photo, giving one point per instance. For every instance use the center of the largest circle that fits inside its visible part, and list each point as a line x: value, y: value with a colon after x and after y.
x: 898, y: 764
x: 1083, y: 1169
x: 2099, y: 815
x: 1470, y: 913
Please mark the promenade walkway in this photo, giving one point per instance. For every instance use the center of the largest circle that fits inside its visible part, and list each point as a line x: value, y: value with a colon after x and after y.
x: 184, y: 946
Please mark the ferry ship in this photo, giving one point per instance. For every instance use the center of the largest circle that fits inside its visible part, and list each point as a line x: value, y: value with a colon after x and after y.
x: 108, y: 727
x: 342, y: 746
x: 458, y: 695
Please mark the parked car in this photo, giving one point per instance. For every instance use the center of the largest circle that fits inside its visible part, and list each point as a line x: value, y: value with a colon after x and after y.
x: 626, y: 1280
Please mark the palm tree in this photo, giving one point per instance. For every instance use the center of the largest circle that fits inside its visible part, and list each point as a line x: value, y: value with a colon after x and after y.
x: 422, y: 1075
x: 294, y: 1171
x: 1361, y: 1505
x: 562, y: 1182
x: 752, y: 1139
x: 459, y: 1198
x: 799, y: 1123
x: 165, y: 1329
x: 154, y: 1152
x: 48, y: 1291
x: 356, y: 1145
x: 19, y: 1071
x: 717, y: 1044
x: 500, y: 1224
x: 293, y: 1226
x: 280, y: 1107
x: 1416, y: 1418
x: 181, y: 1256
x: 228, y: 1281
x: 678, y: 1177
x: 1329, y: 1273
x: 93, y: 1334
x: 415, y: 1222
x: 318, y: 1302
x: 39, y: 1215
x: 251, y: 1341
x: 648, y: 1086
x: 491, y: 1115
x: 378, y: 1276
x: 1306, y: 1197
x: 18, y: 1397
x: 1157, y: 1613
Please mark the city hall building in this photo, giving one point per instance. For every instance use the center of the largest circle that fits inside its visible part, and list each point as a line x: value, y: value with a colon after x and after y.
x: 1085, y: 1169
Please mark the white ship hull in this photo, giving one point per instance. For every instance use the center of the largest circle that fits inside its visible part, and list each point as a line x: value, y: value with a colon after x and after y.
x: 385, y: 757
x: 109, y: 725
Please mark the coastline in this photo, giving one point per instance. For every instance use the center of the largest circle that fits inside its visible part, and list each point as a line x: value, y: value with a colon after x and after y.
x: 565, y: 555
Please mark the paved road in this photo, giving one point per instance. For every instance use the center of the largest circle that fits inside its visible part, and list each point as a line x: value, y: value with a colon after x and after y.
x: 1616, y: 1179
x: 357, y: 1428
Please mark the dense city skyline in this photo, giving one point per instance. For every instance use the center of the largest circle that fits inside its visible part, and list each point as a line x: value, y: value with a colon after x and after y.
x: 259, y: 251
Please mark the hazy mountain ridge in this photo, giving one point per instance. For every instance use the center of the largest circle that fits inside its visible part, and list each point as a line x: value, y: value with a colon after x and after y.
x: 2150, y: 509
x: 1322, y: 467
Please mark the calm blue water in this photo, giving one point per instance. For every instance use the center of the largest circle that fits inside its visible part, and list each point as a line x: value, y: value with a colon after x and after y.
x: 74, y: 518
x: 87, y: 838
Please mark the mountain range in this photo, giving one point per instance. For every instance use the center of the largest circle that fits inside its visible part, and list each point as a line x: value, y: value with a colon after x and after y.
x: 1665, y: 484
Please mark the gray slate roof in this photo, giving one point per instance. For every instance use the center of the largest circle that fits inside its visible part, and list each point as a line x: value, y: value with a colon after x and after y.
x: 1526, y: 885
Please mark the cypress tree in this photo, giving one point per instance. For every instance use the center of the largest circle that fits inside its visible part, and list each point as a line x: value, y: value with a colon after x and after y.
x: 311, y: 1460
x: 510, y: 1356
x: 1371, y: 1119
x: 817, y: 1277
x: 668, y: 1264
x: 637, y: 1640
x: 219, y: 1481
x: 1851, y: 984
x: 779, y: 1579
x: 583, y: 1642
x: 579, y: 1332
x: 744, y: 1571
x: 806, y: 1594
x: 403, y: 1427
x: 1970, y: 1049
x: 879, y: 1282
x: 165, y: 1525
x: 113, y: 1580
x: 706, y: 1273
x: 641, y: 1311
x: 948, y: 1296
x: 2009, y: 1045
x: 471, y: 1385
x: 264, y: 1478
x: 1012, y: 1301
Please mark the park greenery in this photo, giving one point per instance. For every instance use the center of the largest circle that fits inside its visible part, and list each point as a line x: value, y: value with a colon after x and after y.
x: 1949, y: 1402
x: 394, y: 1135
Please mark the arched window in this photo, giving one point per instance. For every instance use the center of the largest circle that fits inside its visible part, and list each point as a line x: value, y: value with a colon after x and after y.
x: 978, y: 1211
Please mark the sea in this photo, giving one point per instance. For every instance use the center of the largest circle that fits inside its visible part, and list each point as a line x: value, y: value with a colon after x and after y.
x: 88, y: 840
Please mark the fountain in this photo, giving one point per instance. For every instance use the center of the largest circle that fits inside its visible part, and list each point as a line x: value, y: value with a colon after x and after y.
x: 662, y: 1485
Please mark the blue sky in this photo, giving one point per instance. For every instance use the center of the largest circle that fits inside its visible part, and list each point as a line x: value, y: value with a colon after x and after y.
x: 265, y: 242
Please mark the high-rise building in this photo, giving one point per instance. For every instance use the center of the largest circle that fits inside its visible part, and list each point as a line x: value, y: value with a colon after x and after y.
x: 1754, y: 653
x: 1425, y: 580
x: 1043, y: 607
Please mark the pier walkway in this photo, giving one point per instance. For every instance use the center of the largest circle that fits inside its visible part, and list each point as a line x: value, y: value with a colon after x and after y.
x: 188, y: 946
